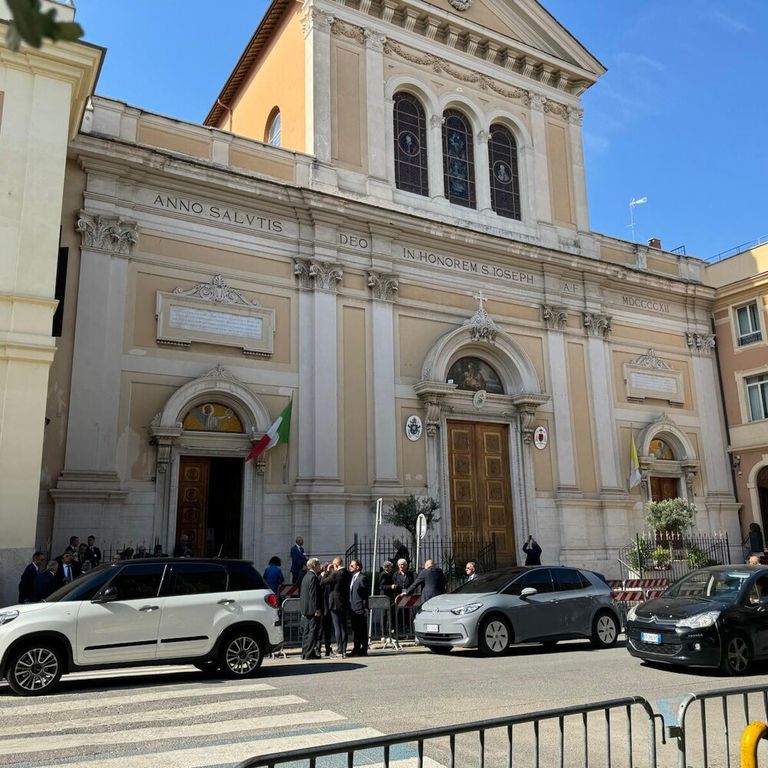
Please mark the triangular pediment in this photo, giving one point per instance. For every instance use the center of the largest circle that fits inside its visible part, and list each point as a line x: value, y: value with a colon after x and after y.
x: 527, y: 23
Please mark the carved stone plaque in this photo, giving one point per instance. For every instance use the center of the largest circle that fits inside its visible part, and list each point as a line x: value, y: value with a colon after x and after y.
x: 182, y: 320
x: 654, y: 380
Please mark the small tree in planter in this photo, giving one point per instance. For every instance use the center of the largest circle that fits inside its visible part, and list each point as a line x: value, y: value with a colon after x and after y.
x: 404, y: 513
x: 670, y: 515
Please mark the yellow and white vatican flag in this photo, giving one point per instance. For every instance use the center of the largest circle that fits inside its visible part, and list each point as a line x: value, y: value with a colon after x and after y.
x: 634, y: 465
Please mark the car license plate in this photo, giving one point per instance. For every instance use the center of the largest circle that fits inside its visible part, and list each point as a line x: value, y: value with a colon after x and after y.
x: 650, y: 637
x: 431, y: 627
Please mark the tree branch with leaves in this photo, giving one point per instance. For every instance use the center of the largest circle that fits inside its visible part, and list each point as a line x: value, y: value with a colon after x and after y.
x: 32, y: 25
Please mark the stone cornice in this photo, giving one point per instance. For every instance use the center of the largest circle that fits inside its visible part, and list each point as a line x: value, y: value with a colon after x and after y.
x: 465, y: 36
x: 147, y: 166
x: 464, y: 74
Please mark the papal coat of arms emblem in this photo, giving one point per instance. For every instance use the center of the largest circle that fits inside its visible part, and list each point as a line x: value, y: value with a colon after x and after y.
x: 413, y: 428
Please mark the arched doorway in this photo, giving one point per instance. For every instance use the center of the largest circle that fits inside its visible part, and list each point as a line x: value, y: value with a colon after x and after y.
x: 204, y: 490
x: 481, y: 392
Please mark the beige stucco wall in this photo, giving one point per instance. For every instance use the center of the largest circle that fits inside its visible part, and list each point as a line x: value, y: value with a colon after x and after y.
x: 560, y: 182
x: 354, y: 396
x: 349, y: 146
x: 277, y: 80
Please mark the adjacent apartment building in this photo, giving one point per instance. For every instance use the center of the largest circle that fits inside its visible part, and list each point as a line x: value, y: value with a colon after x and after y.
x: 741, y: 327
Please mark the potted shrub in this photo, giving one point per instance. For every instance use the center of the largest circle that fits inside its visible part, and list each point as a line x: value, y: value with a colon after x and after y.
x: 670, y: 518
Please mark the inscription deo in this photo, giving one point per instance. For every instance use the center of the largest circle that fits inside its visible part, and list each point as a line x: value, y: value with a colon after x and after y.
x: 231, y: 215
x: 654, y: 306
x: 353, y: 241
x: 467, y: 265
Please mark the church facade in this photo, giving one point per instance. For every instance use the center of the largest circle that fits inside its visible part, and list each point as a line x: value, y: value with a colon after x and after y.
x: 383, y: 221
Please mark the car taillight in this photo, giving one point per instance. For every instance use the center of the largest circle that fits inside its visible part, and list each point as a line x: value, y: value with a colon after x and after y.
x: 272, y: 600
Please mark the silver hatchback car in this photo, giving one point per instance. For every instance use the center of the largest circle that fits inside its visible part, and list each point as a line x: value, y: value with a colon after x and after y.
x: 520, y: 605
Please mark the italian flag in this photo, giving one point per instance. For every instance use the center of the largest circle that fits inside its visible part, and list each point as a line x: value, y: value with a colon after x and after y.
x: 277, y: 434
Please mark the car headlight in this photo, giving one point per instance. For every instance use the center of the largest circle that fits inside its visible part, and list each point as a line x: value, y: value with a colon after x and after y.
x: 632, y: 613
x: 465, y: 609
x: 700, y: 620
x: 6, y: 616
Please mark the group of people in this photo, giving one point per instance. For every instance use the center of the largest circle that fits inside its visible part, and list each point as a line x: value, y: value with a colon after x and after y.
x: 331, y: 594
x: 42, y: 577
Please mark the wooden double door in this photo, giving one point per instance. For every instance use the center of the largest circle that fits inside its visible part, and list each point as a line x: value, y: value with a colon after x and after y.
x: 481, y: 493
x: 663, y: 488
x: 208, y: 510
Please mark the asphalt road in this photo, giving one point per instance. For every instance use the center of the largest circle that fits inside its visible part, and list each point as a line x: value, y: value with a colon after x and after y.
x: 178, y: 718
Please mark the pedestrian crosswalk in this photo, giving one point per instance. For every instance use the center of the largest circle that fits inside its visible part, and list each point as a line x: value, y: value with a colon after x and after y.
x: 181, y: 721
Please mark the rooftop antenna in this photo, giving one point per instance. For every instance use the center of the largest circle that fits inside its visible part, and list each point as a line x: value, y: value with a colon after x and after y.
x: 632, y: 203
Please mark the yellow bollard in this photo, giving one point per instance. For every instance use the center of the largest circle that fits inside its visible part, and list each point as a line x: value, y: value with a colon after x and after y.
x: 750, y: 738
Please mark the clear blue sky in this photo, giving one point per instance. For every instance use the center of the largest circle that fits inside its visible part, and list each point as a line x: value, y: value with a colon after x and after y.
x: 681, y: 116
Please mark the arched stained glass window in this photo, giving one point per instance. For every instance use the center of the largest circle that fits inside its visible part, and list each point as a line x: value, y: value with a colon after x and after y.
x: 410, y: 130
x: 473, y: 374
x: 458, y: 159
x: 661, y: 450
x: 505, y: 182
x: 273, y: 128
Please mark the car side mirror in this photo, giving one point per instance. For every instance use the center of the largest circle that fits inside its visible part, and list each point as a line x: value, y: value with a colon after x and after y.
x: 528, y: 592
x: 106, y: 596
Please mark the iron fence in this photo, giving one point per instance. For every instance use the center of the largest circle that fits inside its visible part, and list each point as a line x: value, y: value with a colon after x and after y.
x: 450, y: 554
x: 671, y: 555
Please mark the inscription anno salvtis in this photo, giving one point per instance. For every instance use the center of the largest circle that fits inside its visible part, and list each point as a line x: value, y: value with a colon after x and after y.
x: 218, y: 212
x: 470, y: 266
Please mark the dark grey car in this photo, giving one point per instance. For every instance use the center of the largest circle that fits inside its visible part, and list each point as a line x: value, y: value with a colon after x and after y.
x: 542, y: 604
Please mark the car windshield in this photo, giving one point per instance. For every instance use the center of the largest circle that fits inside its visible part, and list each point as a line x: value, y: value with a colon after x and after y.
x: 492, y: 581
x: 713, y: 585
x: 84, y: 587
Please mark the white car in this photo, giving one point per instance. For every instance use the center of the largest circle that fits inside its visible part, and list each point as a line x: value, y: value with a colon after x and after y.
x: 215, y: 614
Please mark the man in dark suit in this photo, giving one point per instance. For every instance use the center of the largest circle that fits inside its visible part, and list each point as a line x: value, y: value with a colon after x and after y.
x: 93, y: 553
x: 68, y: 570
x: 431, y: 581
x: 311, y: 605
x: 338, y: 578
x: 358, y: 609
x: 27, y: 582
x: 298, y: 561
x: 46, y: 582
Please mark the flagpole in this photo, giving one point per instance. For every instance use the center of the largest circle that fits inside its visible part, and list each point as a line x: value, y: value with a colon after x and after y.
x: 376, y: 525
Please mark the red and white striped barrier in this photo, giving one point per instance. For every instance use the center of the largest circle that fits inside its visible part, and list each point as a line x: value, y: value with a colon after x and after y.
x: 288, y: 590
x: 406, y: 601
x: 627, y: 596
x: 646, y: 583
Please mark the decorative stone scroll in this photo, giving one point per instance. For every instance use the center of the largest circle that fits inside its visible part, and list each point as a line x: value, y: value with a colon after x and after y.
x: 460, y: 5
x: 700, y: 343
x: 314, y: 274
x: 481, y: 325
x: 383, y: 286
x: 111, y: 234
x: 214, y: 313
x: 650, y: 377
x: 555, y: 318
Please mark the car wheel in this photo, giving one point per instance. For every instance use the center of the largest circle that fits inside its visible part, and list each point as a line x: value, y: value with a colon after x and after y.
x: 34, y: 669
x: 494, y: 636
x: 241, y: 655
x: 441, y: 649
x: 737, y: 655
x: 605, y: 630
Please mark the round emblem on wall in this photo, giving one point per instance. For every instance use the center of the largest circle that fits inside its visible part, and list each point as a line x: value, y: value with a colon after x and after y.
x: 479, y: 399
x: 540, y: 438
x: 501, y: 172
x: 413, y: 428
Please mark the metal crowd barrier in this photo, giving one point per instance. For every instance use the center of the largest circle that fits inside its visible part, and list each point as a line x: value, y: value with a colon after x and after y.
x: 597, y: 732
x: 724, y: 713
